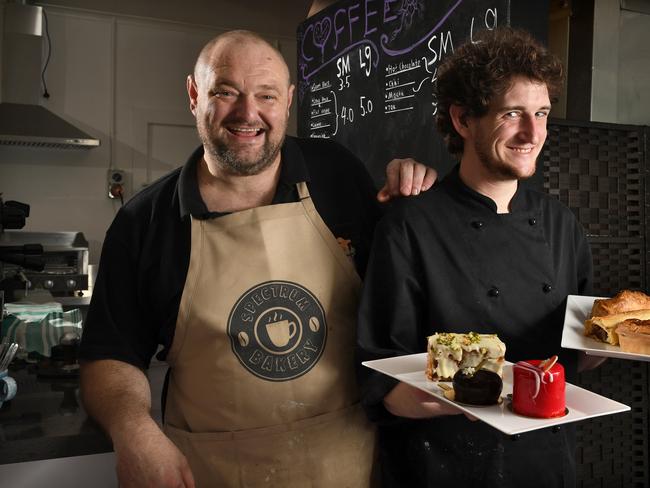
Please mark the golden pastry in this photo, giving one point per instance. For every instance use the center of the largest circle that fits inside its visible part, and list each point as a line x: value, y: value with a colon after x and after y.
x: 604, y: 328
x: 624, y: 301
x: 634, y: 336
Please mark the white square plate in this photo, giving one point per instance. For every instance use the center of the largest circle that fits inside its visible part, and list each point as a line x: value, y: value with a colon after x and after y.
x: 573, y: 337
x: 582, y: 404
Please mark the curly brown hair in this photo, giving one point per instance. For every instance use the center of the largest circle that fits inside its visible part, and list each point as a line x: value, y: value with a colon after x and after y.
x: 478, y: 71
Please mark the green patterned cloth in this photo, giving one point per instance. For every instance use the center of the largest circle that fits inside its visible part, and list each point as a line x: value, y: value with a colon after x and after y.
x: 38, y: 327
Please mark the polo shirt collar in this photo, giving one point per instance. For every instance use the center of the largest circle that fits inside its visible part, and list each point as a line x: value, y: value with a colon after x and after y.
x: 293, y: 169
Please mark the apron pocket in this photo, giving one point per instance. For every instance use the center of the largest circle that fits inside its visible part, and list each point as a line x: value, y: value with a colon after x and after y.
x: 334, y: 450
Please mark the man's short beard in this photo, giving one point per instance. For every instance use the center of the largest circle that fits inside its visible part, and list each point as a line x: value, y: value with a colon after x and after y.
x: 230, y: 161
x: 495, y: 168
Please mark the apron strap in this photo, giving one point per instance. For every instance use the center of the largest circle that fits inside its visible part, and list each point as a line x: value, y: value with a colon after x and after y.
x: 303, y: 191
x: 326, y: 233
x: 307, y: 202
x: 310, y: 208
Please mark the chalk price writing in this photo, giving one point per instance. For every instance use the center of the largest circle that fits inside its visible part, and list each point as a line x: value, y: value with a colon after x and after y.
x: 402, y: 82
x: 347, y: 114
x: 445, y: 44
x: 343, y: 66
x: 490, y: 20
x: 365, y: 59
x: 344, y: 82
x: 343, y: 71
x: 366, y: 106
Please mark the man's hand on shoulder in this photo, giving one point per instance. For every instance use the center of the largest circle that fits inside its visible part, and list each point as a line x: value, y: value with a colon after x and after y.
x: 147, y: 458
x: 406, y: 177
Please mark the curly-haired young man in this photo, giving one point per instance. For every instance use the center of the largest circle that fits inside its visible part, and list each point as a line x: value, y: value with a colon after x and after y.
x: 477, y: 253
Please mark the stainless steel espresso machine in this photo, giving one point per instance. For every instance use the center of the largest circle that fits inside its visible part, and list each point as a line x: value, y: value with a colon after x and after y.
x: 52, y: 261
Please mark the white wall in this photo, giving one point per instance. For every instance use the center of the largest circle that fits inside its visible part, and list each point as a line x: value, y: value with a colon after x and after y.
x: 634, y: 68
x: 621, y: 62
x: 119, y: 74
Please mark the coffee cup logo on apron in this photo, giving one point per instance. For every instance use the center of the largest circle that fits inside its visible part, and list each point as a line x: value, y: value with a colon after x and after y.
x: 277, y: 330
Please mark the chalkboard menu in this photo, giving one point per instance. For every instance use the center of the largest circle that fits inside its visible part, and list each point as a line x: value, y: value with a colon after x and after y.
x: 366, y: 70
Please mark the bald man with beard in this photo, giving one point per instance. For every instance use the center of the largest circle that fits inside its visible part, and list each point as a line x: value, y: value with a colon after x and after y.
x: 245, y: 266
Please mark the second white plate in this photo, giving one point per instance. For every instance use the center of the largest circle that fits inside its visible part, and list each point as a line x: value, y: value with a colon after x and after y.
x: 573, y: 337
x: 582, y: 404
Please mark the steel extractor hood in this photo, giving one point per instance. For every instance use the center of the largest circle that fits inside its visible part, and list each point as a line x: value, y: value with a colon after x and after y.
x: 23, y: 121
x: 33, y: 125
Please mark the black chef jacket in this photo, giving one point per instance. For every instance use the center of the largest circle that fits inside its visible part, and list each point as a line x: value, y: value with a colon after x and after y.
x: 446, y: 261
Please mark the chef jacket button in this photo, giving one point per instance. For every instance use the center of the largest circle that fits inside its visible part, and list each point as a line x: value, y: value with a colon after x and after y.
x: 532, y: 221
x: 477, y: 224
x: 493, y: 292
x: 547, y: 288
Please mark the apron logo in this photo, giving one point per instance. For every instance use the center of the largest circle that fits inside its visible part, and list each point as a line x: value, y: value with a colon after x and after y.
x: 277, y: 330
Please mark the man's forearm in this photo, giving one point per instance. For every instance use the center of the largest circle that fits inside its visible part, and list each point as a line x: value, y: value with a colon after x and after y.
x: 117, y: 396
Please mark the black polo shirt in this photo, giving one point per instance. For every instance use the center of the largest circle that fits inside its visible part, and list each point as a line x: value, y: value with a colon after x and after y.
x: 146, y: 251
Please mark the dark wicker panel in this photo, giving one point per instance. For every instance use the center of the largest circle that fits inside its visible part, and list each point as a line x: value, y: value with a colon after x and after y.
x: 612, y: 450
x: 598, y: 173
x: 617, y: 265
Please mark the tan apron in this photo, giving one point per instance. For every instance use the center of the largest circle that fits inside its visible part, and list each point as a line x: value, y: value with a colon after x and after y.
x: 262, y: 390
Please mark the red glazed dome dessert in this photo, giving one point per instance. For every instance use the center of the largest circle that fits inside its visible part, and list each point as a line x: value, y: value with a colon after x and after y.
x: 538, y: 391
